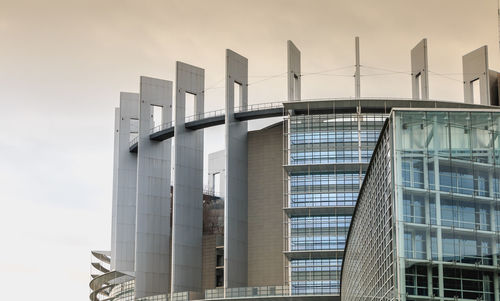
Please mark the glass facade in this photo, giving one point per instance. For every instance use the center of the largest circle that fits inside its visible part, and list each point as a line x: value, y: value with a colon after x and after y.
x: 318, y: 232
x: 444, y: 224
x: 326, y: 158
x: 315, y: 276
x: 368, y: 267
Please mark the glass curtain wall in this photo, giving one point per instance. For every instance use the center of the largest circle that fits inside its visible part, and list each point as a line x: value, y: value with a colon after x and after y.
x: 368, y: 267
x: 327, y: 155
x: 447, y: 186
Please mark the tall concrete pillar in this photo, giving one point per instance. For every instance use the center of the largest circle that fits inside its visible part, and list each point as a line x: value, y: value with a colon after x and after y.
x: 188, y: 184
x: 152, y: 247
x: 293, y: 74
x: 420, y: 71
x: 475, y: 68
x: 116, y: 148
x: 123, y: 246
x: 236, y: 201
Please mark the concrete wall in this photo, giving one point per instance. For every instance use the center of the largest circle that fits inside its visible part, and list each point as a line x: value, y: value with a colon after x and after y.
x: 217, y: 165
x: 209, y: 261
x: 235, y: 207
x: 420, y: 68
x: 213, y: 237
x: 152, y: 248
x: 123, y: 248
x: 188, y: 184
x: 293, y: 74
x: 265, y: 206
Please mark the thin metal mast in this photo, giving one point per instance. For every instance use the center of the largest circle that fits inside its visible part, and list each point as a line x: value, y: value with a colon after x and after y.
x: 357, y: 75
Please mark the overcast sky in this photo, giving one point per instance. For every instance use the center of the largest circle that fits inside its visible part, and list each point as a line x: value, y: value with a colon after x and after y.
x: 64, y: 62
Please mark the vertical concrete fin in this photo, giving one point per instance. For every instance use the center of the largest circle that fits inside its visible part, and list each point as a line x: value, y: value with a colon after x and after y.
x: 493, y: 85
x: 293, y: 74
x: 187, y: 227
x: 152, y: 232
x: 122, y: 249
x: 236, y: 204
x: 420, y: 71
x: 116, y: 148
x: 475, y: 67
x: 357, y: 75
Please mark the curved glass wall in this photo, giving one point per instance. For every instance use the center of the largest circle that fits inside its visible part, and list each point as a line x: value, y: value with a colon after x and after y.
x: 444, y: 221
x: 449, y: 184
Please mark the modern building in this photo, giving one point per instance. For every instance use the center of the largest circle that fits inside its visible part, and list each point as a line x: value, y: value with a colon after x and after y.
x: 273, y: 220
x: 427, y: 221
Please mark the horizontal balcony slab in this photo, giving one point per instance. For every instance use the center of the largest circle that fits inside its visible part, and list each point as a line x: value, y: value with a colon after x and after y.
x: 326, y: 167
x: 452, y: 229
x: 314, y: 254
x: 451, y: 195
x: 319, y: 211
x: 451, y: 264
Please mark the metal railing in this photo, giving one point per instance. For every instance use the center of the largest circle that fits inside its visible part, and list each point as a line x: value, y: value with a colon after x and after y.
x: 134, y: 141
x: 259, y: 107
x: 208, y: 190
x: 218, y: 113
x: 222, y: 112
x: 239, y: 292
x: 162, y: 127
x: 205, y: 115
x: 221, y: 293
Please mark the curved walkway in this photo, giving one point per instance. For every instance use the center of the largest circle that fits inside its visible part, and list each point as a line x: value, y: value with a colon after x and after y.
x: 313, y: 106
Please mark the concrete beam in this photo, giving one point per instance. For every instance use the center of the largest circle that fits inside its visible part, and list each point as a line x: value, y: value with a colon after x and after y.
x: 188, y: 190
x: 152, y: 247
x: 123, y: 247
x: 475, y: 67
x: 236, y: 201
x: 420, y: 71
x: 293, y: 74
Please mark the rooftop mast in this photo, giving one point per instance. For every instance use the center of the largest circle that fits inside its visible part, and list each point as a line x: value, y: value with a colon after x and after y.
x: 357, y: 75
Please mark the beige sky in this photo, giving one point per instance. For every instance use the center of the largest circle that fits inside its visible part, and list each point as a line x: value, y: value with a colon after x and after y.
x: 63, y: 64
